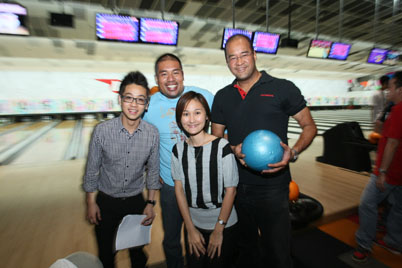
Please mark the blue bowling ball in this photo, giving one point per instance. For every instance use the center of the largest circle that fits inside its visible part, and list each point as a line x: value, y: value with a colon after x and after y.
x: 262, y: 147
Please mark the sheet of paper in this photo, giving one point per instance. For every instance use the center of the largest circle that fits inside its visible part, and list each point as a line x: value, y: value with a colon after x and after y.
x: 131, y: 233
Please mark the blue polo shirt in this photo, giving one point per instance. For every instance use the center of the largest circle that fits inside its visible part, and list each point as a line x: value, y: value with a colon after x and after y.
x: 162, y: 114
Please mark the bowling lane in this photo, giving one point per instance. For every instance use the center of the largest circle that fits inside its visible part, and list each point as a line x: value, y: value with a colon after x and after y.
x: 10, y: 127
x: 11, y: 138
x: 50, y: 147
x: 88, y: 126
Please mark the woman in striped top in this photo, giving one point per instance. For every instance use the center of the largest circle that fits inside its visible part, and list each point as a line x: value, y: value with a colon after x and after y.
x: 205, y: 173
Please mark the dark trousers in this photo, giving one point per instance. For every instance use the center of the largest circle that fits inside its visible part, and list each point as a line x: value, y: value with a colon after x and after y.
x: 172, y: 224
x: 112, y: 212
x: 264, y: 226
x: 226, y: 260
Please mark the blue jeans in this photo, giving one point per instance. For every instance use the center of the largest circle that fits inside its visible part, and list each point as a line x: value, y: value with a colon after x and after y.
x: 368, y: 213
x: 264, y: 223
x: 172, y: 223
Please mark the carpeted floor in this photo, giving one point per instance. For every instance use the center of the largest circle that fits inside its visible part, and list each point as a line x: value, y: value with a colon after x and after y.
x: 313, y: 248
x: 344, y: 231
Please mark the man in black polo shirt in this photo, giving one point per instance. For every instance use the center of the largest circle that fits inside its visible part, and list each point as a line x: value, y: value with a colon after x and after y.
x: 256, y: 100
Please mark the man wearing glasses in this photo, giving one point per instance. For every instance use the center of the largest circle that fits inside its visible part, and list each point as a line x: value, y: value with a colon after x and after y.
x: 161, y: 113
x: 120, y: 151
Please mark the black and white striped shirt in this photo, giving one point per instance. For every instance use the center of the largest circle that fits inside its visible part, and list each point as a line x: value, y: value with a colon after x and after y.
x: 205, y: 172
x: 117, y: 159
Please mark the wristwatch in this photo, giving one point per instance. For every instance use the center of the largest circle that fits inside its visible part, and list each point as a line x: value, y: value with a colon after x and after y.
x: 295, y: 155
x: 221, y: 222
x: 152, y: 202
x: 382, y: 171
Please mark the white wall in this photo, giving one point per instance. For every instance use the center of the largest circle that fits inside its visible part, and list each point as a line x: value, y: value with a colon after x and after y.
x: 26, y: 92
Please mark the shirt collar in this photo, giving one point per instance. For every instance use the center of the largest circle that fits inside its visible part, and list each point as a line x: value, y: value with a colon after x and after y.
x: 121, y: 128
x: 264, y: 78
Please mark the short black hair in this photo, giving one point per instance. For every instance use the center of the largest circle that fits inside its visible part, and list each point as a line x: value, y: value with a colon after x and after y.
x: 384, y: 79
x: 166, y: 56
x: 398, y: 79
x: 134, y: 78
x: 238, y: 36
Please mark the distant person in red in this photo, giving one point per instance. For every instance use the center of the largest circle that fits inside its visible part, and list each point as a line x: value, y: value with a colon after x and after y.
x: 385, y: 182
x: 123, y: 158
x: 379, y: 101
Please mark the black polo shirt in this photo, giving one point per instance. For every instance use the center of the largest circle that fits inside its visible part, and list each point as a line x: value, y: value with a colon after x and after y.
x: 267, y: 105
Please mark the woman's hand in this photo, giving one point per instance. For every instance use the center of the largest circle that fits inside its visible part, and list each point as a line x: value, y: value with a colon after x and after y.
x: 215, y: 244
x: 195, y: 242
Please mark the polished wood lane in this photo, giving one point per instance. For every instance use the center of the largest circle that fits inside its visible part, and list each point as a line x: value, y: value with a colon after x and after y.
x: 49, y: 147
x: 88, y: 125
x: 14, y: 137
x: 42, y: 216
x: 10, y: 126
x: 337, y: 189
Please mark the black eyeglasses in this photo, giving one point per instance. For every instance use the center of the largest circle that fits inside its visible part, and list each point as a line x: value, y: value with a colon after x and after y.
x: 243, y: 56
x: 129, y: 99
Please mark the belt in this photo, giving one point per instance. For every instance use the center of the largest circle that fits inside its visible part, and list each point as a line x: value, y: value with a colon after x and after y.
x: 116, y: 198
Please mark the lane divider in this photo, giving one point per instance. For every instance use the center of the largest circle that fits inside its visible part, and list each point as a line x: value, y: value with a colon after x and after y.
x: 74, y: 143
x: 12, y: 153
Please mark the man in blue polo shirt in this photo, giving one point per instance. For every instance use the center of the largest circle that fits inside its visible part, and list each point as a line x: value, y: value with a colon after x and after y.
x: 256, y: 100
x: 161, y: 113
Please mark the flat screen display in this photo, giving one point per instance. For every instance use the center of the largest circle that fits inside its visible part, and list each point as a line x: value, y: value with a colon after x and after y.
x: 228, y: 32
x: 266, y: 42
x: 392, y: 57
x: 319, y: 49
x: 157, y: 31
x: 117, y: 27
x: 13, y: 19
x: 339, y: 51
x: 377, y: 55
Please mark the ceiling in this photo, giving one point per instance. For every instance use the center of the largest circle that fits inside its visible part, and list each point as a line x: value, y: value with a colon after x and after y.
x: 201, y: 27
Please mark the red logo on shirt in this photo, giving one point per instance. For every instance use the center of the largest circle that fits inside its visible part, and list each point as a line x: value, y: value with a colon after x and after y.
x: 267, y: 95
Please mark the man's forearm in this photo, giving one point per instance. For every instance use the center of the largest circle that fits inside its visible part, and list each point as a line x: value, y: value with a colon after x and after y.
x: 91, y: 198
x: 151, y: 194
x: 389, y: 151
x: 305, y: 138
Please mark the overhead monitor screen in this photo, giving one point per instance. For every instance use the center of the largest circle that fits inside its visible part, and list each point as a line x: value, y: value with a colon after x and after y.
x: 228, y: 32
x: 392, y: 57
x: 266, y: 42
x: 377, y: 55
x: 157, y: 31
x: 13, y: 19
x: 117, y: 27
x: 339, y: 51
x: 319, y: 49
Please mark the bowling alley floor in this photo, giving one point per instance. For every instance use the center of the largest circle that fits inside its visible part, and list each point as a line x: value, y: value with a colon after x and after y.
x: 43, y: 211
x: 42, y: 204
